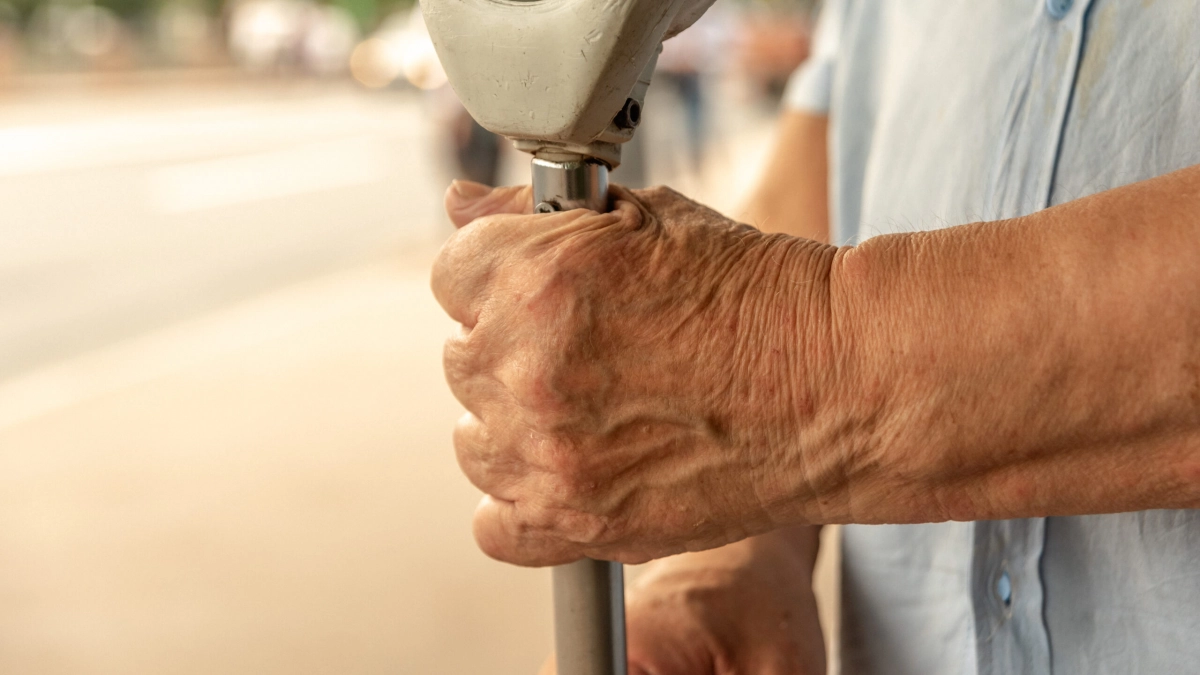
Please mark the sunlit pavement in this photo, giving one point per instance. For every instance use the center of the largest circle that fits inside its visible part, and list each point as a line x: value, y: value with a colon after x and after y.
x: 266, y: 489
x: 200, y: 474
x: 224, y: 433
x: 123, y: 208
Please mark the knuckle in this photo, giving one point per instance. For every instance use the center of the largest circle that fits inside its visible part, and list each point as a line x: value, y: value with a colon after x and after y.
x: 474, y: 460
x: 546, y: 520
x: 568, y: 469
x: 462, y: 273
x: 657, y: 193
x: 468, y: 377
x: 469, y: 246
x: 442, y: 279
x: 539, y: 518
x: 455, y: 354
x: 494, y: 232
x: 557, y: 386
x: 529, y: 384
x: 466, y: 439
x: 585, y: 529
x: 461, y: 357
x: 483, y: 226
x: 541, y: 528
x: 663, y: 191
x: 541, y: 389
x: 453, y: 254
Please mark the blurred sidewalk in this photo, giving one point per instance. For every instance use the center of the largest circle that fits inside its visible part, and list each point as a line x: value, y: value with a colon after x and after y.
x: 128, y: 208
x: 266, y: 489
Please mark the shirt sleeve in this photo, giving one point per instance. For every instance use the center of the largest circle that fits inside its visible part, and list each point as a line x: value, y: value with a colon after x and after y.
x: 810, y: 88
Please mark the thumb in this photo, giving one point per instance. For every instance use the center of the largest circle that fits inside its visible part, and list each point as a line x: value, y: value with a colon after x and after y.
x: 467, y: 200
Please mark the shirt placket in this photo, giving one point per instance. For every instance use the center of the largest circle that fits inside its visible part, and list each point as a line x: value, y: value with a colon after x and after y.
x: 1006, y: 589
x: 1038, y: 104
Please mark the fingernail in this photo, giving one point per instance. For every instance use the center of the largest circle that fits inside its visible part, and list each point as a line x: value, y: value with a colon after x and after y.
x: 469, y: 189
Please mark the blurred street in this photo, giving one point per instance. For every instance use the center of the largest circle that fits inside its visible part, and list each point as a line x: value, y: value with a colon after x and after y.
x: 224, y: 430
x: 269, y: 488
x: 200, y: 473
x: 130, y: 206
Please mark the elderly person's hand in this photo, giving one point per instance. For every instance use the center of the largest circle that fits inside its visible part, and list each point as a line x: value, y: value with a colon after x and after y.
x: 638, y: 383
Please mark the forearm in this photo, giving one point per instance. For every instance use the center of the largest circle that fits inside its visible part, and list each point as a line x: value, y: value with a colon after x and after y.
x: 1045, y: 365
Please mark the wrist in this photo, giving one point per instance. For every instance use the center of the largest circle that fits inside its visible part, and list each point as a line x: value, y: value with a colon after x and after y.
x: 832, y: 394
x: 858, y: 396
x: 791, y: 362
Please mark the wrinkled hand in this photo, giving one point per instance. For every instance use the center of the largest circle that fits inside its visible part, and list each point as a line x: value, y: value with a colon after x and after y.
x: 745, y: 609
x: 633, y: 380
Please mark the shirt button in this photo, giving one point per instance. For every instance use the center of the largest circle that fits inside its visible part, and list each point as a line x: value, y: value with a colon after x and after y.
x: 1004, y: 588
x: 1058, y: 8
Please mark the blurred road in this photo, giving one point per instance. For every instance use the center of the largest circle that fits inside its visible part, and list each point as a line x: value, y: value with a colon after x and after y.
x: 266, y: 489
x: 124, y: 208
x: 218, y: 452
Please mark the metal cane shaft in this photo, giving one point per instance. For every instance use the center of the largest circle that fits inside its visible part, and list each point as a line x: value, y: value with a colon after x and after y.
x: 589, y: 595
x: 589, y: 618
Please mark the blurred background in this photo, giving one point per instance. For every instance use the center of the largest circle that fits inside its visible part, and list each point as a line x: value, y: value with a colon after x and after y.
x: 224, y: 433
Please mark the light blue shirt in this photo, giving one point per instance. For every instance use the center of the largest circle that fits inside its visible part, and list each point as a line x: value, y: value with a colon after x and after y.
x: 946, y: 112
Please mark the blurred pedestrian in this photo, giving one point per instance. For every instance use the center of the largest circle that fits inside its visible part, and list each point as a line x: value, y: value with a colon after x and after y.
x: 684, y: 64
x: 475, y: 152
x: 10, y: 41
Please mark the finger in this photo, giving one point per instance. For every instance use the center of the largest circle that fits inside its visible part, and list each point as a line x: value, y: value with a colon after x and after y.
x: 463, y: 267
x: 502, y: 532
x: 548, y: 668
x: 467, y: 200
x: 469, y: 258
x: 467, y: 362
x: 486, y: 465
